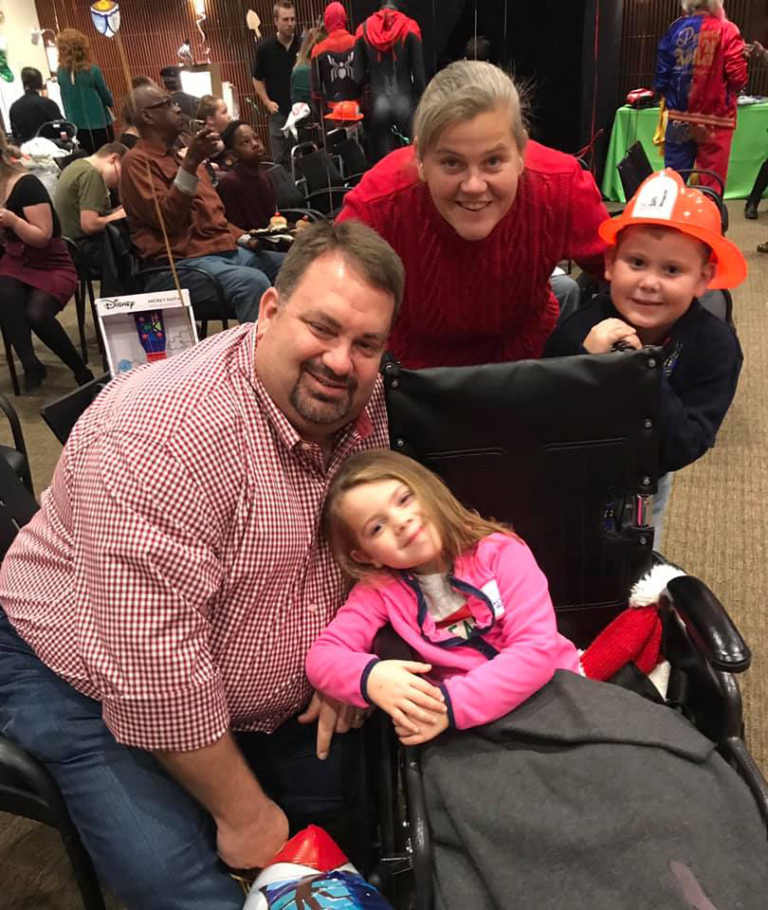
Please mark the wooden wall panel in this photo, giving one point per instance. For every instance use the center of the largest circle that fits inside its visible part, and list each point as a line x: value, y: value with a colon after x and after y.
x: 645, y: 21
x: 153, y: 30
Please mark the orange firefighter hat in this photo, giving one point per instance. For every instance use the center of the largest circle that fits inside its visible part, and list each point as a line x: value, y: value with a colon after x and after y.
x: 664, y: 199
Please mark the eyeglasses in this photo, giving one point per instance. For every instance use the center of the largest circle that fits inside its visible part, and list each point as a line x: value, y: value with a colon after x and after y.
x: 166, y: 102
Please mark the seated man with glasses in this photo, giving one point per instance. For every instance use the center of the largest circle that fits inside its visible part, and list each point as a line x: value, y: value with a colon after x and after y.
x: 164, y: 194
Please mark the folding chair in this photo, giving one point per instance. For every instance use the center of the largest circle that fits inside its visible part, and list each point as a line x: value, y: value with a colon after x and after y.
x: 62, y: 414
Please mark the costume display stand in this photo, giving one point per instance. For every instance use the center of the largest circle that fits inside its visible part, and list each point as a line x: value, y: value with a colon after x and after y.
x: 389, y: 63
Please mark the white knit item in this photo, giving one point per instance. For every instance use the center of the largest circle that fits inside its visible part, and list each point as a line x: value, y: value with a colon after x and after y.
x: 649, y: 589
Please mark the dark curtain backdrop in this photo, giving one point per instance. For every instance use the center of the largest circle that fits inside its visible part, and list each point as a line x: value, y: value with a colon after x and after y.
x: 576, y: 58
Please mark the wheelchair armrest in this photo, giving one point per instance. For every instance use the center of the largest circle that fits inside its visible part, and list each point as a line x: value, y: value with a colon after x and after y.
x: 710, y: 628
x: 419, y: 830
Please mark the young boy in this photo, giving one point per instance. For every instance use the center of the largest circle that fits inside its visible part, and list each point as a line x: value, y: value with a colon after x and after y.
x: 664, y: 251
x: 245, y: 190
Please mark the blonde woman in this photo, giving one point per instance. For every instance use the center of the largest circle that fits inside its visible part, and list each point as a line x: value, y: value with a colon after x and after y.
x: 480, y: 216
x: 300, y: 77
x: 37, y: 277
x: 84, y: 93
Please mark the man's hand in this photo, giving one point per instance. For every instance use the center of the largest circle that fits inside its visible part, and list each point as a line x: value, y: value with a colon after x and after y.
x: 252, y: 846
x: 332, y: 717
x: 430, y: 731
x: 272, y: 106
x: 397, y: 688
x: 605, y: 334
x: 201, y: 146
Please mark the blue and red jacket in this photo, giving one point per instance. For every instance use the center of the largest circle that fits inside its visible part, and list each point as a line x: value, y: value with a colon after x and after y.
x: 700, y: 69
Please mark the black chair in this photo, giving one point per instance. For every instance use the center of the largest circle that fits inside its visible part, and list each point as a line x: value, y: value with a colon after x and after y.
x: 26, y: 787
x: 326, y: 187
x: 353, y: 160
x: 16, y: 456
x: 11, y: 362
x: 633, y: 168
x: 565, y: 450
x: 61, y: 415
x: 208, y: 305
x: 86, y: 275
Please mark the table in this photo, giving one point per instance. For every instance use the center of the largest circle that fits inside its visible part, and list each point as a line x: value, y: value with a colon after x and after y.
x: 749, y: 149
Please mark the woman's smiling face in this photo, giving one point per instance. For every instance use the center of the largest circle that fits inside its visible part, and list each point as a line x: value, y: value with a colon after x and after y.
x: 472, y: 172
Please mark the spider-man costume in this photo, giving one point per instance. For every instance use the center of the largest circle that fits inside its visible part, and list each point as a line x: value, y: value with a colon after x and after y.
x: 390, y: 61
x: 332, y: 61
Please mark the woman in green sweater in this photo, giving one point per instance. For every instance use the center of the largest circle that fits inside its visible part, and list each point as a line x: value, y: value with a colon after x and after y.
x: 300, y: 81
x: 84, y: 92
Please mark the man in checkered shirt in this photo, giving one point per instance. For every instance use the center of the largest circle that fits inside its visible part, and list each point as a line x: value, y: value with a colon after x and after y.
x: 157, y: 610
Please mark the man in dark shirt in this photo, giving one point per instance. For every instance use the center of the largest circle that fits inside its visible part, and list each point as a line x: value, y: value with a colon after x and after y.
x: 153, y: 175
x: 171, y: 76
x: 31, y: 111
x: 275, y: 58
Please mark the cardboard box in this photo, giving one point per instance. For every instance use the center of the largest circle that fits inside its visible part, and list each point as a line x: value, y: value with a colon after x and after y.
x: 119, y: 330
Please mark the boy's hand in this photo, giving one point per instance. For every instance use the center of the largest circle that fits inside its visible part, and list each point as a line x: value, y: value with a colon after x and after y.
x: 605, y: 334
x: 412, y: 702
x: 407, y: 738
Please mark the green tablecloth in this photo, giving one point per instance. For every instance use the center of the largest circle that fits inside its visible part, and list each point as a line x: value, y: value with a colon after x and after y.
x: 749, y: 149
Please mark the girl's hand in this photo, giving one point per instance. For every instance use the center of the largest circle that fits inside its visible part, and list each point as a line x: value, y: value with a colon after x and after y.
x: 408, y: 738
x: 605, y: 334
x: 396, y: 687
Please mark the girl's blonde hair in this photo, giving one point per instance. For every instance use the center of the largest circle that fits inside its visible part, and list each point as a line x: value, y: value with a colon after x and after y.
x: 74, y: 50
x: 459, y: 528
x: 313, y: 36
x: 461, y: 92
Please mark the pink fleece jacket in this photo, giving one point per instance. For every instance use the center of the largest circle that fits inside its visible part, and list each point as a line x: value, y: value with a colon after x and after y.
x: 514, y: 650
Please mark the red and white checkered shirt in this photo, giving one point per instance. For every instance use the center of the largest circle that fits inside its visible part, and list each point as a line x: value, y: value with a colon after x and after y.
x: 176, y: 571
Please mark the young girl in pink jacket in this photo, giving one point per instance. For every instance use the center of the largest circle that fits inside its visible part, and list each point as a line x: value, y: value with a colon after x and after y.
x: 465, y: 593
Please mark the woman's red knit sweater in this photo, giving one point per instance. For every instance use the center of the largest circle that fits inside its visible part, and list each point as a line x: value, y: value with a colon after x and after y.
x: 486, y: 301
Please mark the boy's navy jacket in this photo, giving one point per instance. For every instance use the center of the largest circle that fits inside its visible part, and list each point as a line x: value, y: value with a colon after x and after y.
x: 702, y: 362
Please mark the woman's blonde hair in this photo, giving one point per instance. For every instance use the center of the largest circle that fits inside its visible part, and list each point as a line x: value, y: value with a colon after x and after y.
x: 311, y: 38
x: 74, y: 50
x: 459, y: 528
x: 712, y: 6
x: 10, y: 159
x: 461, y: 92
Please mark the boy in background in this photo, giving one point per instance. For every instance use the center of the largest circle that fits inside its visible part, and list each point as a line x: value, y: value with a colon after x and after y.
x: 664, y: 251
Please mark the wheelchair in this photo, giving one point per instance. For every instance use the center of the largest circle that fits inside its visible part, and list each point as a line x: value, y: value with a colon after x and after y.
x: 566, y: 451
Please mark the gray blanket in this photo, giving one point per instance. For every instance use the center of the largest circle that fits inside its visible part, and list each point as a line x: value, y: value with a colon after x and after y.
x: 589, y: 796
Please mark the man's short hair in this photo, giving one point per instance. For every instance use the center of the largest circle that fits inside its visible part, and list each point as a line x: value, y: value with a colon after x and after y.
x: 282, y: 4
x: 31, y: 78
x: 228, y: 136
x: 138, y: 81
x: 112, y: 148
x: 368, y: 254
x: 170, y: 72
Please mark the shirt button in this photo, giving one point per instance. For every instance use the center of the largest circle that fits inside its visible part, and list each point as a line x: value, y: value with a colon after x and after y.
x: 313, y: 608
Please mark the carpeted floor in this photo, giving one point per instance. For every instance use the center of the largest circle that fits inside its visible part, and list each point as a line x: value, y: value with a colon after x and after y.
x: 716, y: 529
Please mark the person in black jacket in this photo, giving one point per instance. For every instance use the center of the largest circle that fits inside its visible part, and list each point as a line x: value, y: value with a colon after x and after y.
x: 665, y: 251
x: 32, y: 110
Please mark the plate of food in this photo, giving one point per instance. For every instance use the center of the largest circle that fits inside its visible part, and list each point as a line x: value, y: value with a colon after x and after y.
x: 278, y: 230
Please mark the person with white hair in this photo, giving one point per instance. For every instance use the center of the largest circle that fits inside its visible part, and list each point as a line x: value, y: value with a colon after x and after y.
x: 700, y: 70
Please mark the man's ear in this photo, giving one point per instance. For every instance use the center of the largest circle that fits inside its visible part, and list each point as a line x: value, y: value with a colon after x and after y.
x: 268, y: 308
x: 610, y: 259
